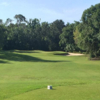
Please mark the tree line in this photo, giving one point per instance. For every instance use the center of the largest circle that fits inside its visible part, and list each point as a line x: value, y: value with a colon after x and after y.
x: 33, y: 34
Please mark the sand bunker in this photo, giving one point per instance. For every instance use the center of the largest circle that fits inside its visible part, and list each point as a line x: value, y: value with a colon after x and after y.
x: 74, y: 54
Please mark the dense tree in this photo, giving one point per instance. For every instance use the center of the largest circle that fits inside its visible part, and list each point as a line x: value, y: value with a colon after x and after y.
x: 20, y: 18
x: 66, y: 38
x: 32, y: 34
x: 3, y: 33
x: 55, y: 30
x: 45, y: 33
x: 8, y: 21
x: 87, y: 34
x: 1, y: 22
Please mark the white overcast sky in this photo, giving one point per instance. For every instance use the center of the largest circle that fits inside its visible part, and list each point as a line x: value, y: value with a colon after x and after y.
x: 46, y: 10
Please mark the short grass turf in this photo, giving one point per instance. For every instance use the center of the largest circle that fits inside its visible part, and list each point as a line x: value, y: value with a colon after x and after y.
x: 24, y: 75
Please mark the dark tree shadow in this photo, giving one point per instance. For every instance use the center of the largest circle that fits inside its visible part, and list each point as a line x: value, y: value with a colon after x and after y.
x: 1, y: 61
x: 24, y: 51
x: 8, y: 55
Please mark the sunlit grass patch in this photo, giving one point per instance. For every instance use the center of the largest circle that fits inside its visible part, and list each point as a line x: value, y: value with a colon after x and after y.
x: 26, y: 74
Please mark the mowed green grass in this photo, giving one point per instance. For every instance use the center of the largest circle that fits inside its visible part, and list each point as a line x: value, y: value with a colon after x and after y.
x: 24, y: 75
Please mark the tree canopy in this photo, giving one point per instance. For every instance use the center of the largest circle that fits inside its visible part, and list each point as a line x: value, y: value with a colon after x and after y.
x: 33, y: 34
x: 87, y: 33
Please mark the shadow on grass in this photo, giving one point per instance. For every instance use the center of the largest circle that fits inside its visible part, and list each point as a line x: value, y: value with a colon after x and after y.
x: 8, y: 55
x: 1, y: 61
x: 24, y: 51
